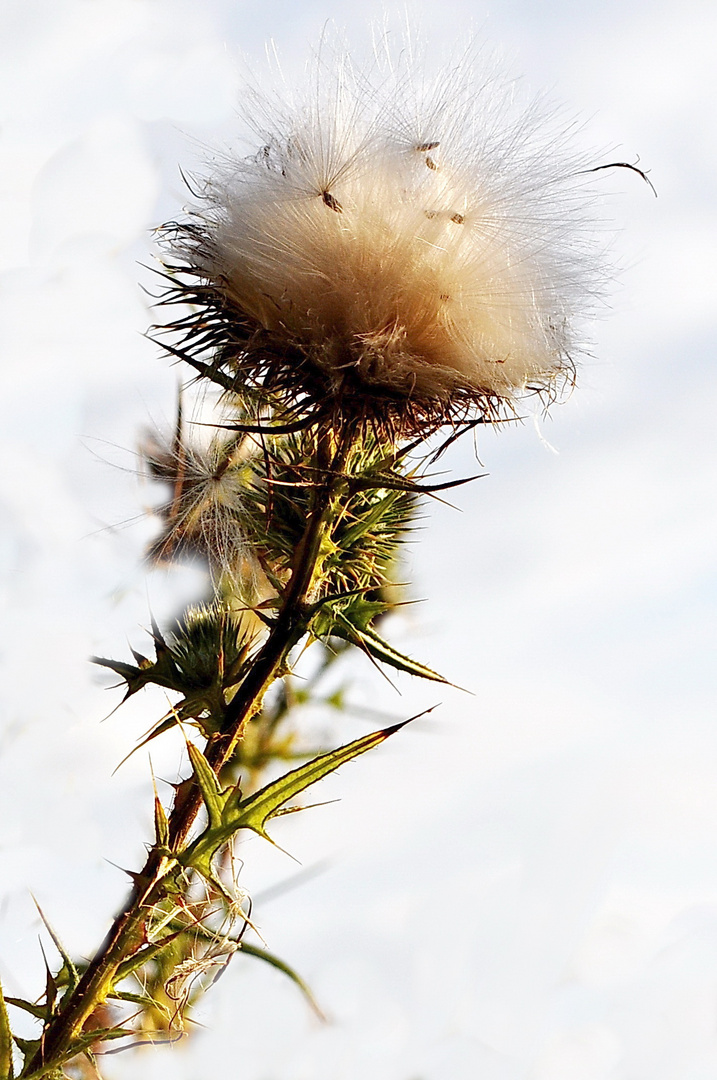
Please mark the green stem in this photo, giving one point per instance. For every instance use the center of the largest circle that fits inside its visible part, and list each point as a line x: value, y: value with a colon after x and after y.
x: 127, y: 933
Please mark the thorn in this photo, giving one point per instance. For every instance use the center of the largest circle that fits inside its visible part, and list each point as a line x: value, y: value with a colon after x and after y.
x: 133, y: 875
x: 265, y: 836
x: 284, y: 810
x: 157, y: 634
x: 387, y: 732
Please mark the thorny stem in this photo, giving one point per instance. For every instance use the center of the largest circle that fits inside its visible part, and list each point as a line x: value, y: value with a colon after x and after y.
x: 127, y: 933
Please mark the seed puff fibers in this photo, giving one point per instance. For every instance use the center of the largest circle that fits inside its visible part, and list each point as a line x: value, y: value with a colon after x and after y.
x: 393, y: 244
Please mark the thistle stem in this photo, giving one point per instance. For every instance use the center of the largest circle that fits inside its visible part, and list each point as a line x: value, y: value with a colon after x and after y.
x: 127, y: 933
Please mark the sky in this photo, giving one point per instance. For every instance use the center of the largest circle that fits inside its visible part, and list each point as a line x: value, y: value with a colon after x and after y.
x: 522, y: 886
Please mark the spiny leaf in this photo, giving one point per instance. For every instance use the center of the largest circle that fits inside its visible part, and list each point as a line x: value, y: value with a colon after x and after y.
x: 349, y: 616
x: 162, y: 672
x: 38, y: 1011
x: 68, y: 969
x: 372, y: 643
x: 214, y: 798
x: 6, y: 1067
x: 354, y: 604
x: 255, y: 811
x: 28, y: 1047
x: 259, y: 808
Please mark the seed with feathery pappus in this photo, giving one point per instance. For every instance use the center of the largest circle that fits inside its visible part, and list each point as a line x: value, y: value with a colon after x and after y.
x: 397, y: 249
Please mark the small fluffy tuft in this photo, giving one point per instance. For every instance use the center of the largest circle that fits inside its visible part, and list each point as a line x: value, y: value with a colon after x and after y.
x: 395, y: 242
x: 203, y: 515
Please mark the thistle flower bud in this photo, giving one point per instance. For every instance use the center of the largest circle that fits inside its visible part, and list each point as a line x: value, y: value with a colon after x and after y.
x: 393, y: 248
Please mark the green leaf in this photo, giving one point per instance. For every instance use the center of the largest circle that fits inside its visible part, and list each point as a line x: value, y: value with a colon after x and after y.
x: 38, y: 1011
x: 6, y: 1068
x: 143, y: 1000
x: 214, y: 798
x: 228, y: 813
x: 349, y: 616
x: 355, y: 605
x: 280, y: 965
x: 87, y: 1038
x: 259, y: 808
x: 28, y: 1047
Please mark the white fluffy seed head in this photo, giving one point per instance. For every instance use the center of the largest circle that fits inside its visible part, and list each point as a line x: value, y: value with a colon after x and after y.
x: 429, y: 240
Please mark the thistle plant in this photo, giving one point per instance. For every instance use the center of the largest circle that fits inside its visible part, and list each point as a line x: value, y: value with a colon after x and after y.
x: 393, y: 262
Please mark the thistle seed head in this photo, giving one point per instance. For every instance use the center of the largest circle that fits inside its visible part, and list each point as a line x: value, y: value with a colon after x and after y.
x: 410, y: 251
x: 203, y: 515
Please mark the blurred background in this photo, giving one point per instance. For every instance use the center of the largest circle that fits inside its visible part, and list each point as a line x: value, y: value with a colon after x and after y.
x: 524, y: 883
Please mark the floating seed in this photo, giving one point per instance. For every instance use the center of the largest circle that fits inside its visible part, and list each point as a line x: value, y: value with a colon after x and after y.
x: 331, y: 202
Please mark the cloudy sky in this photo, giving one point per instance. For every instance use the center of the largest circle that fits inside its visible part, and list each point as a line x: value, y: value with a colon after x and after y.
x: 524, y: 885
